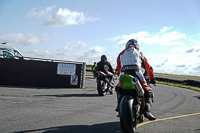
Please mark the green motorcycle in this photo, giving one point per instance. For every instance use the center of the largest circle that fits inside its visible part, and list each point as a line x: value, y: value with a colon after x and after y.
x: 132, y: 103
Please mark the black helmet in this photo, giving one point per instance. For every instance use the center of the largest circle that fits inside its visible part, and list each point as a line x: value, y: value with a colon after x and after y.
x: 132, y: 43
x: 103, y: 57
x: 95, y: 63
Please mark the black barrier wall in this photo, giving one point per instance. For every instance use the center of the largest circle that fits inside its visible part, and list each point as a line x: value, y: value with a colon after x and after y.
x: 38, y: 73
x: 189, y: 82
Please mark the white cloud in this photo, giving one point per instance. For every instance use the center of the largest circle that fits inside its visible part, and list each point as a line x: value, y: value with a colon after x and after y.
x: 165, y: 29
x: 64, y: 50
x: 114, y: 39
x: 74, y: 51
x: 71, y: 47
x: 177, y: 50
x: 191, y: 40
x: 34, y: 53
x: 95, y: 49
x: 197, y: 42
x: 79, y: 51
x: 32, y: 13
x: 92, y: 55
x: 180, y: 60
x: 46, y: 52
x: 166, y: 38
x: 170, y: 38
x: 151, y: 40
x: 123, y: 39
x: 25, y: 39
x: 67, y: 17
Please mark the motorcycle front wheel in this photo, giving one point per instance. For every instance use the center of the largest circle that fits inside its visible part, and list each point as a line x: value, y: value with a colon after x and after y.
x: 128, y: 119
x: 101, y: 88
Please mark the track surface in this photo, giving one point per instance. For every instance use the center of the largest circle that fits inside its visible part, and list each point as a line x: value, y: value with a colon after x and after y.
x: 44, y: 110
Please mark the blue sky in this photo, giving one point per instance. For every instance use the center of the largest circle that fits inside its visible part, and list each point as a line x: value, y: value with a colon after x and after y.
x: 83, y: 30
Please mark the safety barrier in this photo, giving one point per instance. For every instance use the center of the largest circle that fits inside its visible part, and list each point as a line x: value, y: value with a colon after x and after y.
x: 38, y: 72
x: 189, y: 82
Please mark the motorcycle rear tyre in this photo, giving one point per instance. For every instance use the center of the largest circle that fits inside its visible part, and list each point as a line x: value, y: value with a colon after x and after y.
x: 101, y: 88
x: 128, y: 119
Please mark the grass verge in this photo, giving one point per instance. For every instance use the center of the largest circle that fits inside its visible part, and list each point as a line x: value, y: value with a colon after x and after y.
x: 89, y: 72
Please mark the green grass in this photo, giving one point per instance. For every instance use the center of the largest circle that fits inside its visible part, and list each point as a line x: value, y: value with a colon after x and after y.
x: 89, y: 72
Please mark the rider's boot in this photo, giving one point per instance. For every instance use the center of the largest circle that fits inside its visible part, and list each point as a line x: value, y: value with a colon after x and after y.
x: 148, y: 104
x: 149, y: 116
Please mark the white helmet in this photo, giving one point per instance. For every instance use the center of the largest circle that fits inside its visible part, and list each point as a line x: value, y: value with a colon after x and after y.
x: 133, y: 43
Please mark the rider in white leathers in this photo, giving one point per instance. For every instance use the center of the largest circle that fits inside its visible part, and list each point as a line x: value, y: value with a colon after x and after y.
x: 130, y: 61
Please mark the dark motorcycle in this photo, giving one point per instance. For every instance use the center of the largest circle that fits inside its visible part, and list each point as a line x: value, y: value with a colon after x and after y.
x: 132, y: 103
x: 102, y: 84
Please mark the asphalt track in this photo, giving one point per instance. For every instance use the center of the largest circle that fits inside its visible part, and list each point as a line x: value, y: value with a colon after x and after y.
x: 52, y: 110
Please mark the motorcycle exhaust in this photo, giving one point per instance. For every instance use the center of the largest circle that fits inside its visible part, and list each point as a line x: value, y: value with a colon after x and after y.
x: 138, y: 86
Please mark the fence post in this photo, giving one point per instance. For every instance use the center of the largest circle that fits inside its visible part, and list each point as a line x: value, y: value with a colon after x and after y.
x: 83, y: 76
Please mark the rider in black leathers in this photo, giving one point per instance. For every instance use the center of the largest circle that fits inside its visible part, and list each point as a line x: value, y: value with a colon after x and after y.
x: 106, y: 67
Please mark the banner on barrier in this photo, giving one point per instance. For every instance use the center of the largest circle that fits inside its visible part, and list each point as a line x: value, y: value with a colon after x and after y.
x: 66, y: 69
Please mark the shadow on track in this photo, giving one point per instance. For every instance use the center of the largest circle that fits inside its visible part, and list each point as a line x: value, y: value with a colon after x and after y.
x: 198, y: 97
x: 197, y: 130
x: 112, y: 127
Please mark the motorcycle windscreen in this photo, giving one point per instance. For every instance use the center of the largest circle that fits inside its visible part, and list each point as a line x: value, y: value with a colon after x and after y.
x: 126, y: 82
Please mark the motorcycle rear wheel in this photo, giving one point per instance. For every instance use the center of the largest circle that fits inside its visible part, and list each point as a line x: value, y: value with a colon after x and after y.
x: 101, y: 88
x: 128, y: 120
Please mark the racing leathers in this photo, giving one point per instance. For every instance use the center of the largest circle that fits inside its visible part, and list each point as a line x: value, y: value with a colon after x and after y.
x: 106, y: 67
x: 130, y: 61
